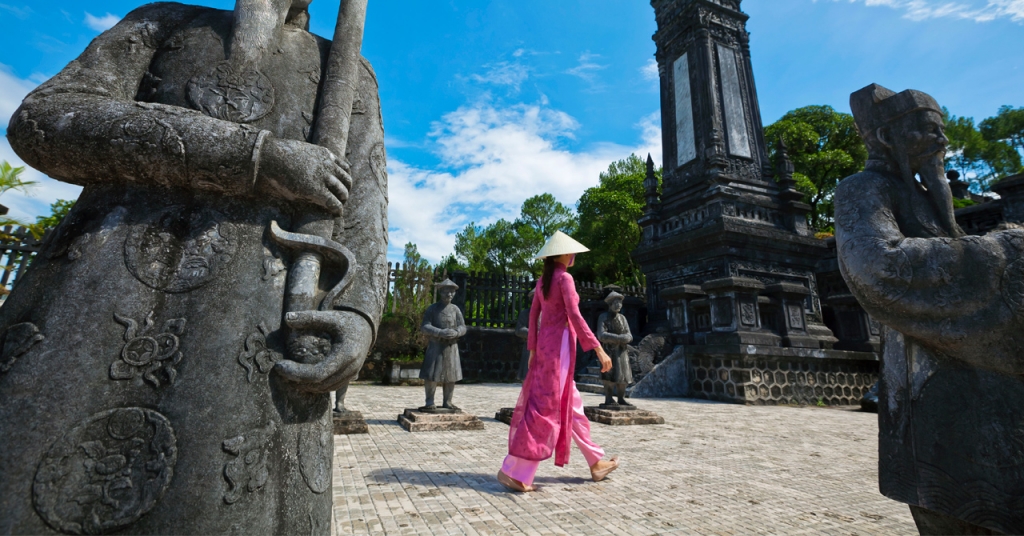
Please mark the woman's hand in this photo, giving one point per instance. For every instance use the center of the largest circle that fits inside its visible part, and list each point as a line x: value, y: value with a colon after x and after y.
x: 529, y: 362
x: 602, y: 357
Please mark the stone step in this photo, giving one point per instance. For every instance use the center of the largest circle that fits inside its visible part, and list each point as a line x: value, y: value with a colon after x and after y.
x: 417, y: 421
x: 590, y: 388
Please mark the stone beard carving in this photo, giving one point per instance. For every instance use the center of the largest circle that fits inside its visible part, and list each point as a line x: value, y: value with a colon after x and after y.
x: 185, y: 126
x: 951, y: 394
x: 107, y: 472
x: 147, y: 350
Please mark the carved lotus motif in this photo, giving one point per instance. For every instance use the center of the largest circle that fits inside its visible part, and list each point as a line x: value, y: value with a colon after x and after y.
x: 107, y: 472
x: 146, y: 352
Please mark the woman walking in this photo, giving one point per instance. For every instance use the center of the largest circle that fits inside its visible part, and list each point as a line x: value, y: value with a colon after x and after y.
x: 549, y: 413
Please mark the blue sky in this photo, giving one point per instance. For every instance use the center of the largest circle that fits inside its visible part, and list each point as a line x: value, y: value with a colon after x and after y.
x: 488, y: 102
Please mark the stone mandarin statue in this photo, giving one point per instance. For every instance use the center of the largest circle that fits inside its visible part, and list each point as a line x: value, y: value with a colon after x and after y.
x: 613, y: 332
x: 443, y: 325
x: 951, y: 394
x: 148, y: 383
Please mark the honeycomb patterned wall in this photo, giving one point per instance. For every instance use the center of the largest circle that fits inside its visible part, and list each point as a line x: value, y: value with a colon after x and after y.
x: 775, y: 381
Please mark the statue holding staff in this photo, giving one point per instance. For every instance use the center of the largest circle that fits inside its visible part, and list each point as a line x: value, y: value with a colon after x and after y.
x: 176, y: 340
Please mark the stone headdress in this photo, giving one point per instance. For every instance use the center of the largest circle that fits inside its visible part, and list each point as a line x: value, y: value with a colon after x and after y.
x: 560, y: 244
x: 447, y: 283
x: 612, y: 296
x: 875, y: 106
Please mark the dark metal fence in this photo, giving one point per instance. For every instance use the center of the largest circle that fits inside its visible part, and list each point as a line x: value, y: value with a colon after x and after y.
x: 17, y: 249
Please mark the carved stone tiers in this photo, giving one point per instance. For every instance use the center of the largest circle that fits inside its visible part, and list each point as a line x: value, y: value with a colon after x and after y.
x: 349, y: 422
x: 414, y: 420
x: 621, y: 417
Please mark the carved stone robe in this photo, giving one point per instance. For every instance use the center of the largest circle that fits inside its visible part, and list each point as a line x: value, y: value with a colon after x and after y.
x: 951, y: 393
x: 137, y: 351
x: 441, y: 361
x: 613, y: 332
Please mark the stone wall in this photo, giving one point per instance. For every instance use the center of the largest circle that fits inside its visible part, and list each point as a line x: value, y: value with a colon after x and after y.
x: 490, y: 355
x: 785, y: 377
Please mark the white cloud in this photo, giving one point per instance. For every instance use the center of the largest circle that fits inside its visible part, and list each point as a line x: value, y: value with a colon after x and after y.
x: 12, y: 92
x: 650, y: 70
x: 101, y: 24
x: 504, y: 73
x: 587, y: 67
x: 20, y: 12
x: 25, y: 206
x: 975, y: 10
x: 491, y: 160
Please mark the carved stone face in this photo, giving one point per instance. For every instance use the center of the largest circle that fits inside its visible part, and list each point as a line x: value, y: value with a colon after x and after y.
x: 446, y: 295
x: 919, y: 135
x: 615, y: 306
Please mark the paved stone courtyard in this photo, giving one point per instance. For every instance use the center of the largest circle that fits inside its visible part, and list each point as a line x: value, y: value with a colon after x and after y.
x: 710, y: 469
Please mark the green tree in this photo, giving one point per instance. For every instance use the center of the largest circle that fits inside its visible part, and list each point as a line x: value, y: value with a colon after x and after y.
x: 508, y: 247
x: 984, y: 155
x: 825, y: 147
x: 608, y: 215
x: 414, y: 284
x: 58, y: 210
x: 1007, y: 126
x: 10, y: 178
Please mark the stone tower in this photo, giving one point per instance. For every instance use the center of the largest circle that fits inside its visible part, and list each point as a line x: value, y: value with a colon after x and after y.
x: 729, y: 258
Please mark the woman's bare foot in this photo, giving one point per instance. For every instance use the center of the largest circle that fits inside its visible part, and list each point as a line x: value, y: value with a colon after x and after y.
x: 513, y: 484
x: 601, y: 469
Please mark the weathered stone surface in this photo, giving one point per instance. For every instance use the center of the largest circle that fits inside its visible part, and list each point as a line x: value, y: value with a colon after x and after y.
x: 951, y: 394
x: 622, y: 417
x: 443, y: 325
x: 667, y: 379
x: 414, y: 420
x: 148, y: 345
x: 349, y: 422
x: 505, y: 415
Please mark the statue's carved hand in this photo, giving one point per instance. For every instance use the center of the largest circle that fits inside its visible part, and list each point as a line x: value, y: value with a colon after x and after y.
x: 298, y: 171
x: 351, y: 338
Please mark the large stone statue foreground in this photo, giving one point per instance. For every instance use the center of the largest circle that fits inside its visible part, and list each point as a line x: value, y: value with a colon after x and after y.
x: 951, y: 395
x: 147, y: 382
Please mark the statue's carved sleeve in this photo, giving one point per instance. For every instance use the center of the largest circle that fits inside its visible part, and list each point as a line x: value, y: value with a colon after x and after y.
x: 427, y: 326
x: 84, y: 126
x: 461, y: 327
x: 948, y: 291
x: 366, y: 211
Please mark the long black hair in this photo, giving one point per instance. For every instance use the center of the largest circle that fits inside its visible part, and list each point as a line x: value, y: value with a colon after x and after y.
x: 549, y: 270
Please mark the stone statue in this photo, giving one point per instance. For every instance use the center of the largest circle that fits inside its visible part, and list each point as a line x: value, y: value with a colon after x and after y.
x: 523, y: 332
x: 951, y: 394
x: 613, y: 332
x: 153, y: 377
x: 443, y: 325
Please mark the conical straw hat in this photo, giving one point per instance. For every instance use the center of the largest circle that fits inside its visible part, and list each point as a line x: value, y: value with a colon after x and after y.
x: 560, y: 244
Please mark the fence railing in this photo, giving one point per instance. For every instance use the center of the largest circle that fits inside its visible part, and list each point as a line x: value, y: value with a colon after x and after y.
x: 493, y: 300
x: 17, y: 249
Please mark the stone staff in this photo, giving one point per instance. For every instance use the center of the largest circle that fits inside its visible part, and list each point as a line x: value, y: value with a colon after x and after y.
x: 313, y: 238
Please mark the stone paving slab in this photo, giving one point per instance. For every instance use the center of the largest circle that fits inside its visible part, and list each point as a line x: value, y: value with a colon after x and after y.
x: 712, y: 468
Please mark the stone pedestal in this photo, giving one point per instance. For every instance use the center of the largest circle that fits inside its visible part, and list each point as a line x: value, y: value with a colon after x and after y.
x: 414, y: 420
x: 621, y: 417
x: 349, y: 422
x: 505, y: 415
